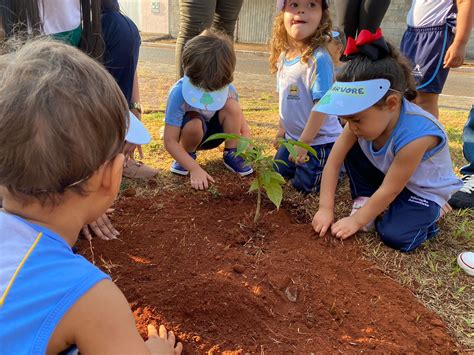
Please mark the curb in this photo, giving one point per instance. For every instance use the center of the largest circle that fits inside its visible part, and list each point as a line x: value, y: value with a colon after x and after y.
x: 170, y: 45
x: 467, y: 66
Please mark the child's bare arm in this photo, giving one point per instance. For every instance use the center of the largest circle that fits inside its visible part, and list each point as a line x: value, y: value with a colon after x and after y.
x: 315, y: 121
x: 199, y: 177
x: 101, y: 323
x: 403, y: 166
x: 325, y: 215
x: 457, y: 50
x: 280, y: 134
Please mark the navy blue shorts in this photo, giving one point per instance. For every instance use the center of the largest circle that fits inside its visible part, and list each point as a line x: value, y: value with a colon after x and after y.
x: 410, y: 219
x: 307, y: 176
x: 426, y: 47
x: 208, y: 127
x: 122, y: 46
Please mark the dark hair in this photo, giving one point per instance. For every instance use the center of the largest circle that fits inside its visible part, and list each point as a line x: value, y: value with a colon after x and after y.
x: 62, y: 116
x: 209, y: 60
x: 394, y: 67
x: 21, y: 18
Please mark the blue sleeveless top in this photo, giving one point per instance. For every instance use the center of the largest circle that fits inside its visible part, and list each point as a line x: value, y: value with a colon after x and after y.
x: 434, y: 178
x: 40, y: 280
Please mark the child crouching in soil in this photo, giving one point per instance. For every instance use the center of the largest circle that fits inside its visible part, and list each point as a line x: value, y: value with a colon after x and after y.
x: 63, y: 121
x: 202, y: 103
x: 396, y: 154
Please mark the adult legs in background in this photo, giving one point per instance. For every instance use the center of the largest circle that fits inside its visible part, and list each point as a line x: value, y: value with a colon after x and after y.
x: 197, y: 15
x: 371, y: 14
x: 194, y: 17
x: 348, y: 16
x: 227, y: 13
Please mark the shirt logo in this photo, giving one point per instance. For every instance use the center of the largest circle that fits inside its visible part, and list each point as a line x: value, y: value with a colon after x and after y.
x: 293, y: 93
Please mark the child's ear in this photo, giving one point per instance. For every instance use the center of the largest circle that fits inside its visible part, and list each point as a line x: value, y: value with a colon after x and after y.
x: 113, y: 174
x: 392, y: 102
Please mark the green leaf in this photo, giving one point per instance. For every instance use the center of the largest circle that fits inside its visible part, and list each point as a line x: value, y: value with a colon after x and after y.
x: 225, y: 136
x: 277, y: 176
x: 303, y: 145
x: 242, y: 145
x: 265, y: 177
x: 275, y: 166
x: 274, y: 192
x: 291, y: 149
x: 254, y: 186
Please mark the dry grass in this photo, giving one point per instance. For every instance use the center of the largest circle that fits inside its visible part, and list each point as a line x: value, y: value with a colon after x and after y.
x: 430, y: 272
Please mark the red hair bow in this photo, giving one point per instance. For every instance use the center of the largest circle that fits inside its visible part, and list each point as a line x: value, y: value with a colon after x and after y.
x: 369, y: 44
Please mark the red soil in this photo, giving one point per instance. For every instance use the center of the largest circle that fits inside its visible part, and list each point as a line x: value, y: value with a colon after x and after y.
x: 196, y: 263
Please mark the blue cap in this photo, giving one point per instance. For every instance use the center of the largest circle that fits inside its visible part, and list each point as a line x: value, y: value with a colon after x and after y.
x: 137, y: 133
x: 348, y: 98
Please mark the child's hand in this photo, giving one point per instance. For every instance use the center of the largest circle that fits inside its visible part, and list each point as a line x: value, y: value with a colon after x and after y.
x: 200, y: 179
x: 322, y: 221
x: 454, y: 57
x: 163, y: 344
x: 102, y: 228
x: 302, y: 156
x: 276, y: 143
x: 345, y: 227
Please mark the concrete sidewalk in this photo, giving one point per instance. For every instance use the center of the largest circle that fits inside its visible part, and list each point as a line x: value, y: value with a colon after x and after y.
x: 253, y: 79
x: 250, y: 48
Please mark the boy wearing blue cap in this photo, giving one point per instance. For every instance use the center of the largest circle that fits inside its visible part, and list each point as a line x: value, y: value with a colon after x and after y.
x: 396, y: 154
x: 202, y: 103
x: 63, y: 121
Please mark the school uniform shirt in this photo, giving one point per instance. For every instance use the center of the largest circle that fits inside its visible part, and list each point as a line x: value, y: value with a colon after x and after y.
x: 434, y: 178
x: 62, y: 19
x: 299, y: 85
x: 40, y: 280
x: 428, y: 13
x: 176, y: 106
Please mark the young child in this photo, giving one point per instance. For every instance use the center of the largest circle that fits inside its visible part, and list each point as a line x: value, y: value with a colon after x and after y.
x: 396, y: 154
x: 435, y: 41
x: 62, y: 126
x: 202, y: 103
x: 304, y: 74
x: 336, y: 49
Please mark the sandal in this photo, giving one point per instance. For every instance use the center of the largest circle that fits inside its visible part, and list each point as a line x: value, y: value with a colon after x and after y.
x: 137, y: 170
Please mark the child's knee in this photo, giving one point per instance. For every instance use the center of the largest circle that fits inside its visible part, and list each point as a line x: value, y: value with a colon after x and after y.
x: 396, y: 238
x: 306, y: 183
x: 193, y: 127
x: 231, y: 112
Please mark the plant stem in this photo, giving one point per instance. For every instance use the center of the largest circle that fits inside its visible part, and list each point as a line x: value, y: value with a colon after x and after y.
x: 259, y: 201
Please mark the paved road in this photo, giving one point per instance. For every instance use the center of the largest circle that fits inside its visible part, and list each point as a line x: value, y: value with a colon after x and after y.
x: 253, y: 69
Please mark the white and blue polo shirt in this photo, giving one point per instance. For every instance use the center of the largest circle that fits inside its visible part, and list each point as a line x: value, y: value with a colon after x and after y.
x: 299, y: 85
x: 40, y: 280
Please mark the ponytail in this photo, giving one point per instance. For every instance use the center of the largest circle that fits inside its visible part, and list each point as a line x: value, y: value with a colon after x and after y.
x: 371, y: 57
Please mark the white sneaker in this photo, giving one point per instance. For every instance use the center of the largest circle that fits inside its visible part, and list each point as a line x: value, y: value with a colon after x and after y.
x: 466, y: 262
x: 359, y: 202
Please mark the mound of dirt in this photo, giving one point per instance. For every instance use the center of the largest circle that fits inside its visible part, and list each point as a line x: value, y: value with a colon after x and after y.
x: 197, y: 263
